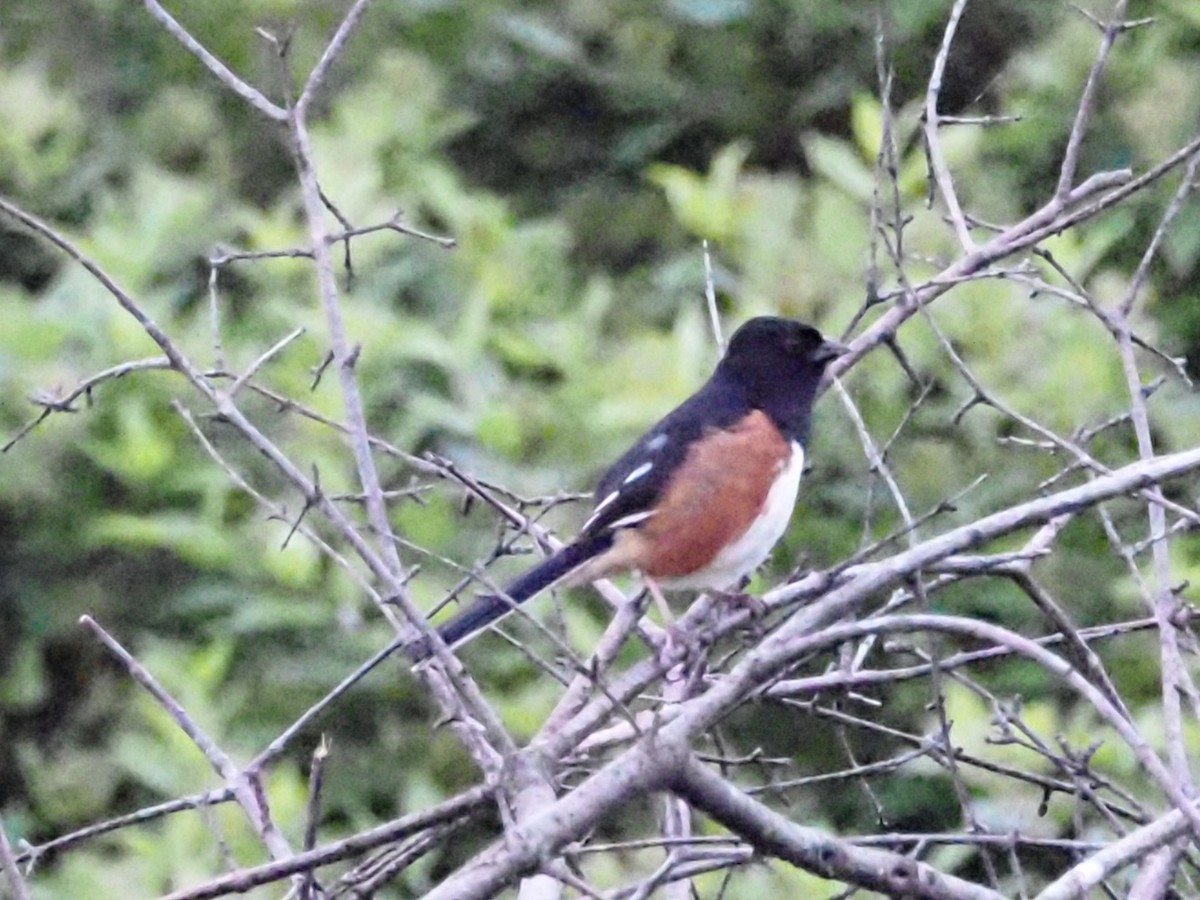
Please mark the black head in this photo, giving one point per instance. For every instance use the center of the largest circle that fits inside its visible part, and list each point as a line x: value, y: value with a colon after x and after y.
x: 778, y: 363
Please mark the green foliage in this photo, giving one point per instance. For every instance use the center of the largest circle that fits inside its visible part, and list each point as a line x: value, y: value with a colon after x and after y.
x: 578, y: 153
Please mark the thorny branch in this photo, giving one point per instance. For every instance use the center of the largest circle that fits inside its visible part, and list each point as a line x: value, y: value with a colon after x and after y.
x: 553, y: 792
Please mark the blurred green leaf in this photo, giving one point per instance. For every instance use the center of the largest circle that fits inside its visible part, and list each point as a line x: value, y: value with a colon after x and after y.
x: 577, y: 154
x: 138, y: 451
x: 200, y: 543
x: 838, y: 162
x: 866, y: 118
x: 706, y: 205
x: 24, y: 683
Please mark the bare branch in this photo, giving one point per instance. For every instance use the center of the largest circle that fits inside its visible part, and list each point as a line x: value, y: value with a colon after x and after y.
x: 459, y: 810
x: 1083, y: 112
x: 939, y: 170
x: 224, y: 74
x: 65, y: 402
x: 815, y: 851
x: 246, y: 789
x: 8, y: 864
x: 332, y: 51
x: 262, y: 360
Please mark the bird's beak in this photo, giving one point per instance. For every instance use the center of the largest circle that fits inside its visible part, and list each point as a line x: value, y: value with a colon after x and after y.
x: 830, y: 350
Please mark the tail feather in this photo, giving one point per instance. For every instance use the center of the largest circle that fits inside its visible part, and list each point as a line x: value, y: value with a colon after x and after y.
x: 490, y: 607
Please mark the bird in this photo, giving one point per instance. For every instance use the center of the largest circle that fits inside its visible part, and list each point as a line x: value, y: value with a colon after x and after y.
x: 699, y: 501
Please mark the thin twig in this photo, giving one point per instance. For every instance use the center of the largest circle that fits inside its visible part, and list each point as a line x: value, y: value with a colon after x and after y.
x: 262, y: 360
x: 939, y: 170
x: 468, y: 804
x: 1083, y: 112
x: 65, y: 402
x: 710, y: 296
x: 224, y: 74
x: 246, y: 789
x: 330, y: 54
x: 8, y: 864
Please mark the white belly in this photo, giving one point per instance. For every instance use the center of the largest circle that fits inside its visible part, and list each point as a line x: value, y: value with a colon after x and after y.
x: 749, y: 551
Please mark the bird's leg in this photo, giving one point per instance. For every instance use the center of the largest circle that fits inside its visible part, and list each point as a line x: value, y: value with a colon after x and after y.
x: 737, y: 600
x: 676, y: 649
x: 660, y: 601
x: 669, y: 650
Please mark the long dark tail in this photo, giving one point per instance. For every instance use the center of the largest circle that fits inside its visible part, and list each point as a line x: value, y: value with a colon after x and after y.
x: 490, y: 607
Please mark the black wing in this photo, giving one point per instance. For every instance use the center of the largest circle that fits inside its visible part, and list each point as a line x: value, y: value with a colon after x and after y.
x: 629, y: 490
x: 625, y: 496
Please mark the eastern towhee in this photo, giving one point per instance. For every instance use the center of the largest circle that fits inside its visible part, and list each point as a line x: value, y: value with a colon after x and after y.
x: 699, y: 501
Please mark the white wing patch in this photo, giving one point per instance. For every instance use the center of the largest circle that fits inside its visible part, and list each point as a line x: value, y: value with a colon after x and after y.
x: 637, y: 473
x: 631, y: 519
x: 600, y: 507
x: 625, y: 521
x: 652, y: 445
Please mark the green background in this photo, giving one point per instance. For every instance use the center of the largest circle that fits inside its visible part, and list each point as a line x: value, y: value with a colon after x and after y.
x: 579, y: 153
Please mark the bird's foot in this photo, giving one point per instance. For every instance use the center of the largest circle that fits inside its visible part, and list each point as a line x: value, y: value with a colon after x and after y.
x: 737, y: 601
x: 680, y: 651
